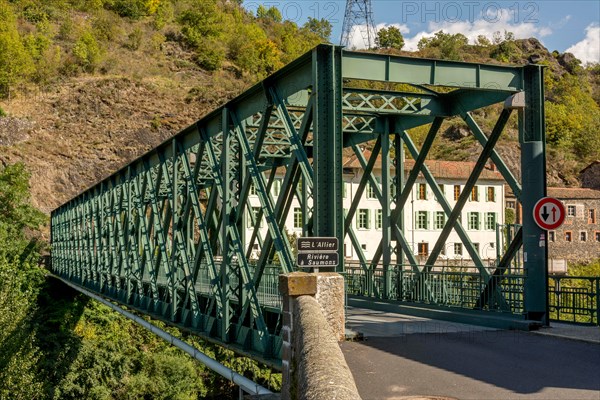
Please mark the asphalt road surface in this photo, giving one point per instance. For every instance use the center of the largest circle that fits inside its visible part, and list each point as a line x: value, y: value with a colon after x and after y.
x: 475, y: 365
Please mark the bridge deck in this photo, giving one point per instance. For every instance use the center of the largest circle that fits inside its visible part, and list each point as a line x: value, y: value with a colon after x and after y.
x: 412, y: 356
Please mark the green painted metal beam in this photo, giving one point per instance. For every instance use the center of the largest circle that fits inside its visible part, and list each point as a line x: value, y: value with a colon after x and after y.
x: 419, y: 71
x: 533, y: 167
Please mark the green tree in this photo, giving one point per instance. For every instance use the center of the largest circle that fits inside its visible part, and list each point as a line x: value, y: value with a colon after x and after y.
x: 20, y: 281
x: 271, y: 13
x: 320, y: 27
x: 444, y: 45
x: 572, y: 117
x: 87, y: 51
x: 505, y: 50
x: 15, y: 62
x: 390, y: 38
x: 15, y: 208
x: 201, y: 21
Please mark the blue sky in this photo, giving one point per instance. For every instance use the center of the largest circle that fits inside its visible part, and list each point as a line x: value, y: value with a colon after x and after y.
x: 560, y: 25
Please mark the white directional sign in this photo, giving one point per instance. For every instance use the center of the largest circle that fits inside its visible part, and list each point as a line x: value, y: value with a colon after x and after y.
x: 309, y: 260
x: 549, y: 213
x: 315, y: 252
x: 311, y: 244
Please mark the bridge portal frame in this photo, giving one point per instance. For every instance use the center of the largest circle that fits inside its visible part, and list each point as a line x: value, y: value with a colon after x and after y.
x: 166, y: 233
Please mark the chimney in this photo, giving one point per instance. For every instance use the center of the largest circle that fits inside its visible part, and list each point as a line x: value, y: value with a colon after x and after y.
x: 491, y: 165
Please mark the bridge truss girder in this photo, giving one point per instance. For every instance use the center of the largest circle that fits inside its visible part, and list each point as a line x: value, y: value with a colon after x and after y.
x: 167, y: 233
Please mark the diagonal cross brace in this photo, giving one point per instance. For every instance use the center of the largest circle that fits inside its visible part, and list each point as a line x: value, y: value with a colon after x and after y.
x: 395, y: 228
x: 462, y: 199
x: 412, y: 177
x: 492, y: 284
x: 498, y: 161
x: 464, y: 237
x: 232, y: 231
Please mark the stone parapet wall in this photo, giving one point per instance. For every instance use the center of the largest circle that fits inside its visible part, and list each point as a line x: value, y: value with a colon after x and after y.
x: 314, y: 367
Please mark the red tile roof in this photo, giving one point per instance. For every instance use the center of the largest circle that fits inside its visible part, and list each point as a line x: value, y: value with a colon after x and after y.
x: 573, y: 193
x: 439, y: 168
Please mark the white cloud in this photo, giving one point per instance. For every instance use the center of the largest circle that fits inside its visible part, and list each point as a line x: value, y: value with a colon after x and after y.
x: 486, y: 25
x: 588, y: 50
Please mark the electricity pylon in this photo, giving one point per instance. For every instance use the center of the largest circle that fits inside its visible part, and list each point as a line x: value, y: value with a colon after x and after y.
x: 358, y: 16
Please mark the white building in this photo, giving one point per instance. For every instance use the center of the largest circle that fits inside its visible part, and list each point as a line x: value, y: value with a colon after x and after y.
x: 424, y: 217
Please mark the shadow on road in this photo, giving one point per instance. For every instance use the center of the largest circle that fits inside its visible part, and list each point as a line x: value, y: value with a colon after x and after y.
x: 511, y: 361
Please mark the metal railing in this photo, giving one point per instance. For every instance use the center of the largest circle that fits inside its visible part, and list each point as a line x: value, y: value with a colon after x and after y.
x: 574, y: 299
x: 449, y: 286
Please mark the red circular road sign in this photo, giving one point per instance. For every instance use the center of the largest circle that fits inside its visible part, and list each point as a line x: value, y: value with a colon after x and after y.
x: 549, y: 213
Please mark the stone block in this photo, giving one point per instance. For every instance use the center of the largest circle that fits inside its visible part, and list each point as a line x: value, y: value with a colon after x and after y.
x: 331, y: 298
x: 297, y: 284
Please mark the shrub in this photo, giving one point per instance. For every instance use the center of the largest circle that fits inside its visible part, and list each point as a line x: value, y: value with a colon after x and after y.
x: 2, y: 113
x: 87, y: 51
x: 134, y: 40
x: 106, y: 26
x: 210, y: 56
x: 134, y: 9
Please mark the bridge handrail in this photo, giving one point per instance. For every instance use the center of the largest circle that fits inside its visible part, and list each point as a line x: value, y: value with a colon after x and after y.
x: 574, y: 299
x: 244, y: 383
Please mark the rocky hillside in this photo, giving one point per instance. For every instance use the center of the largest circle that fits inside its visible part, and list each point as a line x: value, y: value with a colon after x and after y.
x: 87, y: 86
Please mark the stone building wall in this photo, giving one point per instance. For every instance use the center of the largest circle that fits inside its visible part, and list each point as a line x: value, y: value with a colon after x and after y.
x: 583, y: 226
x: 590, y: 176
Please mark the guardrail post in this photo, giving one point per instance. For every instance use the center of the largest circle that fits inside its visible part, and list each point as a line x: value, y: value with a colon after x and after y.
x: 597, y: 302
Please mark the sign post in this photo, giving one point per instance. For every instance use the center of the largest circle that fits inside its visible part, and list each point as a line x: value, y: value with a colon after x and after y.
x: 315, y: 252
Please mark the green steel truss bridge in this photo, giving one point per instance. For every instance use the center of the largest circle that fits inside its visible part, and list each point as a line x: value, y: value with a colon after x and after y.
x: 165, y: 235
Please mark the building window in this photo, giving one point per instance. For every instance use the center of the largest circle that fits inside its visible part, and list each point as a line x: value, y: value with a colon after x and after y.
x: 378, y: 219
x: 583, y: 236
x: 458, y: 249
x: 276, y: 187
x: 363, y: 221
x: 597, y: 236
x: 511, y: 204
x: 473, y: 220
x: 422, y: 191
x: 568, y: 236
x: 345, y: 189
x: 255, y: 211
x: 490, y: 221
x: 363, y: 246
x: 570, y: 211
x: 492, y: 245
x: 297, y: 218
x: 551, y: 236
x: 421, y: 219
x: 474, y: 194
x: 456, y: 192
x: 491, y: 194
x: 440, y: 219
x: 591, y: 216
x: 370, y: 191
x: 252, y: 190
x: 476, y: 246
x: 441, y: 187
x: 423, y: 249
